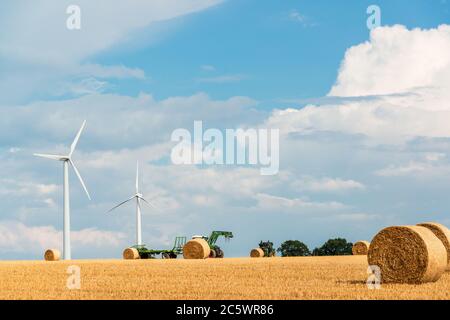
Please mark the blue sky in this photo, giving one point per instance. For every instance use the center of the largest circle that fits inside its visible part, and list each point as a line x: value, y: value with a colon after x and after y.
x: 275, y: 55
x: 362, y: 115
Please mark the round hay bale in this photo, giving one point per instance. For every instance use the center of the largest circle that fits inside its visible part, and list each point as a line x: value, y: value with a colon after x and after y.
x: 257, y: 253
x: 443, y: 233
x: 360, y: 248
x: 196, y: 249
x: 130, y: 254
x: 408, y: 254
x: 52, y: 255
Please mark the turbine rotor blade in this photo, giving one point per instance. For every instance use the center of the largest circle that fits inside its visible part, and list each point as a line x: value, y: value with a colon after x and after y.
x: 80, y: 178
x: 75, y: 141
x: 137, y: 177
x: 50, y: 156
x: 122, y: 203
x: 149, y: 203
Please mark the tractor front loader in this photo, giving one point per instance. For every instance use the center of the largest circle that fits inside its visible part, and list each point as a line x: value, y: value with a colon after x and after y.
x: 216, y: 251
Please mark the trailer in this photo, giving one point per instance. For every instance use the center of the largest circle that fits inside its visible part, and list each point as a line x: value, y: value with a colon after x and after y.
x: 142, y: 252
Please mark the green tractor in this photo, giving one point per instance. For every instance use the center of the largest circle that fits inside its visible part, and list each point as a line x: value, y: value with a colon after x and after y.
x: 145, y: 253
x: 267, y: 247
x: 216, y: 251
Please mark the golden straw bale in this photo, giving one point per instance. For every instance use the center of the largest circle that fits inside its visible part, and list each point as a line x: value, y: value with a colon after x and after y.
x: 443, y: 233
x: 196, y: 249
x: 130, y: 254
x: 360, y: 248
x: 257, y: 253
x: 52, y: 255
x: 408, y: 254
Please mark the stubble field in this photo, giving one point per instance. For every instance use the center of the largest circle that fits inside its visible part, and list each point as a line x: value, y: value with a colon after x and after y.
x: 230, y: 278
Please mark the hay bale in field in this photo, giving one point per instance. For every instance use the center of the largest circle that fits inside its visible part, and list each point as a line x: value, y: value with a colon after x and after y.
x: 130, y: 254
x: 443, y: 233
x: 408, y: 254
x: 196, y: 249
x: 360, y: 248
x: 52, y: 255
x: 257, y: 253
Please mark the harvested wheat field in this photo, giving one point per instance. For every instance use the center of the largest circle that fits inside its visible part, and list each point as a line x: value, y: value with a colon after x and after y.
x: 230, y: 278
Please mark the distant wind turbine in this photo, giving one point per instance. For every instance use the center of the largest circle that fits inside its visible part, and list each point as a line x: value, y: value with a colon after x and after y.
x: 138, y: 197
x: 66, y: 161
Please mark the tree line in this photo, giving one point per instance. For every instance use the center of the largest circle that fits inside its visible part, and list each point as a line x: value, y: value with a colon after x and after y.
x: 333, y: 247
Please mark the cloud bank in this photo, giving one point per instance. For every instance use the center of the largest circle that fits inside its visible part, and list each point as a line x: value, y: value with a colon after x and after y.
x: 347, y: 167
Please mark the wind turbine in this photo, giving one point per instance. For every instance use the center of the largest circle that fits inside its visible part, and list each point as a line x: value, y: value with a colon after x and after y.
x: 66, y: 161
x: 138, y: 197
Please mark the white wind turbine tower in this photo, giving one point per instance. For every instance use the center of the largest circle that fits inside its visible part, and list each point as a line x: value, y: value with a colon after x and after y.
x: 138, y: 197
x: 66, y: 161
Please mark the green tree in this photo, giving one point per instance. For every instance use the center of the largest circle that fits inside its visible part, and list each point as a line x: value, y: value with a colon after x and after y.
x: 293, y: 248
x: 334, y: 247
x: 267, y: 246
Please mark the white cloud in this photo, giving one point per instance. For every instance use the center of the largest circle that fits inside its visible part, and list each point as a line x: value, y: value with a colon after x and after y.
x: 223, y: 78
x: 300, y: 18
x: 357, y: 217
x: 323, y: 161
x: 296, y: 16
x: 327, y: 184
x: 41, y: 56
x: 207, y: 67
x: 14, y: 150
x: 123, y: 157
x: 435, y: 156
x: 20, y: 238
x: 85, y: 86
x: 415, y: 169
x: 97, y: 238
x: 295, y: 205
x: 432, y: 163
x: 40, y: 34
x: 50, y: 202
x: 100, y: 71
x: 381, y: 120
x: 13, y: 187
x: 405, y: 78
x: 396, y: 60
x: 120, y: 122
x: 411, y: 168
x: 190, y: 199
